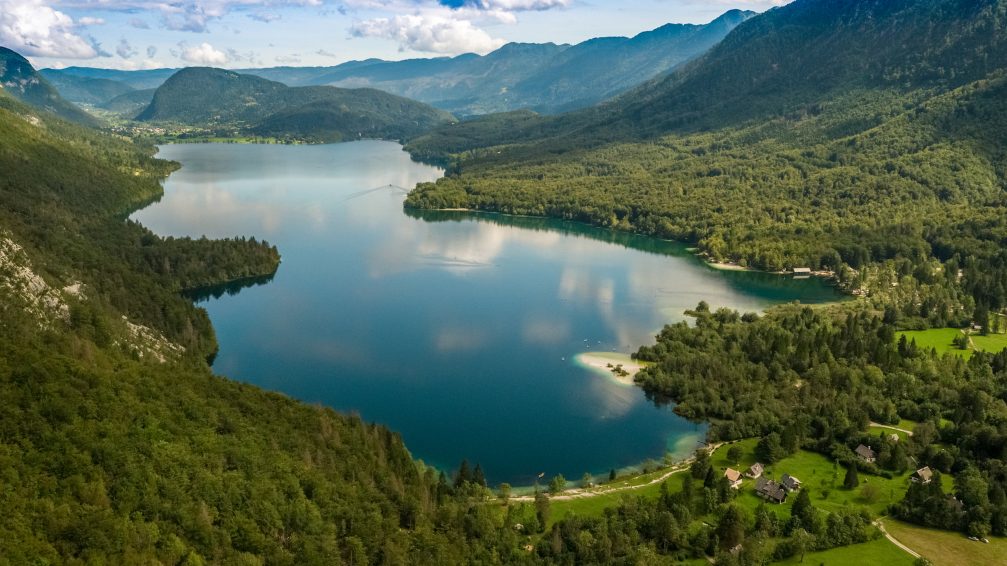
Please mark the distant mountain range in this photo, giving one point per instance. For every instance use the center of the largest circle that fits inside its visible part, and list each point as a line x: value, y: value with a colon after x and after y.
x: 547, y: 78
x: 22, y: 81
x: 812, y: 56
x: 799, y: 140
x: 210, y: 98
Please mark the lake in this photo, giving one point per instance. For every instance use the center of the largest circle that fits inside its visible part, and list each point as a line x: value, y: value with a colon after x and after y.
x: 457, y: 330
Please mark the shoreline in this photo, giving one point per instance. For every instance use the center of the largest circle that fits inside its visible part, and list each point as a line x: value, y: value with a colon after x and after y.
x: 717, y: 265
x: 605, y: 363
x: 621, y: 484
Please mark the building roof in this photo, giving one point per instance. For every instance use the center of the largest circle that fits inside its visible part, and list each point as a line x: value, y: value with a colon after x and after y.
x: 866, y: 452
x: 925, y: 473
x: 770, y: 490
x: 732, y: 475
x: 790, y: 483
x: 755, y: 470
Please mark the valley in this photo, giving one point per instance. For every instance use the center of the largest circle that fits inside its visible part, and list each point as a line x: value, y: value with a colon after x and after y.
x: 729, y: 292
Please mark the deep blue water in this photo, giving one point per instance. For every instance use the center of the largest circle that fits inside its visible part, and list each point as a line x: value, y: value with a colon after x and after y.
x: 456, y: 330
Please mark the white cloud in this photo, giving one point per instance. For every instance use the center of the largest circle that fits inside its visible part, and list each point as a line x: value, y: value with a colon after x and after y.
x: 186, y: 15
x: 429, y: 33
x: 437, y: 27
x: 520, y: 5
x: 89, y: 21
x: 151, y: 51
x: 325, y: 53
x: 32, y: 28
x: 288, y: 59
x: 203, y: 54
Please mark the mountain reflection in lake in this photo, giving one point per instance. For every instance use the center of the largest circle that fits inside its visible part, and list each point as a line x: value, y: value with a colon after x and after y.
x: 456, y: 330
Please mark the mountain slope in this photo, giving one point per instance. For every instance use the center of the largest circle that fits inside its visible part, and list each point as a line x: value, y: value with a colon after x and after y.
x: 19, y: 78
x: 117, y: 443
x: 543, y: 77
x: 129, y: 104
x: 822, y: 133
x: 81, y: 90
x: 590, y: 72
x: 810, y: 51
x: 214, y: 97
x: 139, y: 80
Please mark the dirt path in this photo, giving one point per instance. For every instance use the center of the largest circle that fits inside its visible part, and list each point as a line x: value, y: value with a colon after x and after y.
x: 579, y: 493
x: 879, y: 425
x: 894, y: 540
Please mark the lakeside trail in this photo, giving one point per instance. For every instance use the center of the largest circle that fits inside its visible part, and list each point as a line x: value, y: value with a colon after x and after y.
x: 581, y: 493
x: 895, y: 541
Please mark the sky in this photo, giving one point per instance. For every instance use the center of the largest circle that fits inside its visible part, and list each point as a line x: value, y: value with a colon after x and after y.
x: 140, y: 34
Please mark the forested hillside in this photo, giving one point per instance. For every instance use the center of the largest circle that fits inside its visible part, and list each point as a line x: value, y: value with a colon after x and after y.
x: 19, y: 79
x: 546, y: 78
x: 218, y: 99
x: 118, y: 445
x: 82, y: 90
x: 898, y: 159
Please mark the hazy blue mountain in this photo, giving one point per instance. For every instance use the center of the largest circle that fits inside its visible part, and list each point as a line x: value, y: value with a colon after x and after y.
x: 84, y: 90
x: 131, y: 103
x: 854, y: 58
x: 149, y: 78
x: 545, y: 77
x: 209, y: 97
x: 19, y: 78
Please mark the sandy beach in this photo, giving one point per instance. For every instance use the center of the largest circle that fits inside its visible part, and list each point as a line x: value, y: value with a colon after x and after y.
x: 600, y: 361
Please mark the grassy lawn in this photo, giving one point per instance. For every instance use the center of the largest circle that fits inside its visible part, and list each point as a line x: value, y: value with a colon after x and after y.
x: 907, y: 424
x: 590, y: 506
x: 594, y: 506
x: 992, y: 343
x: 879, y: 552
x: 876, y: 430
x: 945, y: 548
x: 941, y: 339
x: 825, y: 482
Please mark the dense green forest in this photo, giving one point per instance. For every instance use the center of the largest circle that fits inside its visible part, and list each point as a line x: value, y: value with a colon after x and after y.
x: 235, y: 104
x: 799, y: 377
x: 117, y: 443
x: 830, y: 135
x: 863, y: 137
x: 19, y: 79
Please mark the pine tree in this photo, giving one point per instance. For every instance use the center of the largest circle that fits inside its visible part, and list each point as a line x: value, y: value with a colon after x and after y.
x: 852, y: 479
x: 464, y: 475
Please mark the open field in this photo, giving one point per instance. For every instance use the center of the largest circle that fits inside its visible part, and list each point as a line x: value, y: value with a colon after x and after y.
x: 945, y: 548
x: 899, y: 429
x: 879, y: 551
x: 940, y: 339
x: 993, y: 343
x: 824, y: 480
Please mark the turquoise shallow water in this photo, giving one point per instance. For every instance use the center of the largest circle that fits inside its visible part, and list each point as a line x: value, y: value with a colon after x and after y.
x: 457, y: 330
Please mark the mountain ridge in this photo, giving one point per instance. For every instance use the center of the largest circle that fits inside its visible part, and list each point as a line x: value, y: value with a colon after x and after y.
x: 19, y: 77
x: 545, y: 77
x: 209, y: 98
